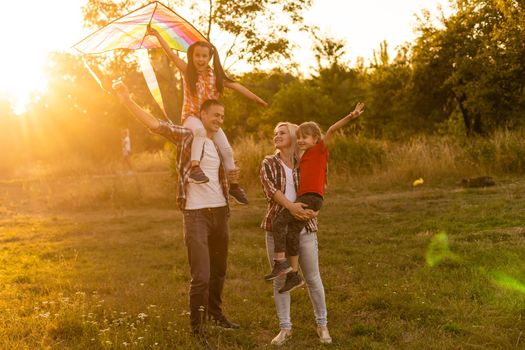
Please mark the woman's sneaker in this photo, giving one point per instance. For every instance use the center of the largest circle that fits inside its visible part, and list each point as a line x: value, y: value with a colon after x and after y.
x: 197, y: 176
x: 324, y: 335
x: 282, y: 337
x: 293, y: 280
x: 280, y: 268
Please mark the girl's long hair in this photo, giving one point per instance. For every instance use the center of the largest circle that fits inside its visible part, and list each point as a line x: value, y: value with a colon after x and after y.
x: 191, y: 72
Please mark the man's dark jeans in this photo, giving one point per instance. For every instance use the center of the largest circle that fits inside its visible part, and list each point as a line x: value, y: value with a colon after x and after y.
x: 206, y: 238
x: 286, y: 228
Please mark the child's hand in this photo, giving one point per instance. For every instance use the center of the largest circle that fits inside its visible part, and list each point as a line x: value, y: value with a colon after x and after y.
x: 262, y: 103
x: 150, y: 31
x: 359, y: 109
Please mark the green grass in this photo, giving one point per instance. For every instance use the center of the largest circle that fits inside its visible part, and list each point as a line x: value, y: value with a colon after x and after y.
x: 99, y: 263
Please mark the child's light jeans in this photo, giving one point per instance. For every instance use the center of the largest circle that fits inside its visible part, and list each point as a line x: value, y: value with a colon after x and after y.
x: 220, y: 140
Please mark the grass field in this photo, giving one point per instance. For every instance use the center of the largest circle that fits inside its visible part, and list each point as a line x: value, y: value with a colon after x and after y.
x: 99, y: 263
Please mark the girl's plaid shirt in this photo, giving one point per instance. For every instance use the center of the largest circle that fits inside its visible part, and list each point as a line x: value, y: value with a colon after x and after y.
x: 273, y: 179
x: 206, y: 89
x: 182, y: 138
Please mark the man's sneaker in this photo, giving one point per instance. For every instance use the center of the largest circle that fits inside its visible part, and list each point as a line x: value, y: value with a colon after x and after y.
x: 282, y: 337
x: 324, y: 335
x: 222, y: 322
x: 293, y: 280
x: 197, y: 176
x: 200, y: 335
x: 238, y: 194
x: 280, y: 268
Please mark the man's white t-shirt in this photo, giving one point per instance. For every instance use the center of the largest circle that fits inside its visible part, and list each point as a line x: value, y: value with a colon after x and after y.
x: 207, y: 195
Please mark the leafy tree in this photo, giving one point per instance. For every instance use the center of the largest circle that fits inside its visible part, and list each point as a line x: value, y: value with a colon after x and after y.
x: 344, y: 87
x: 473, y: 63
x: 328, y: 51
x: 323, y: 98
x: 297, y: 102
x: 257, y: 30
x: 387, y: 96
x: 242, y: 116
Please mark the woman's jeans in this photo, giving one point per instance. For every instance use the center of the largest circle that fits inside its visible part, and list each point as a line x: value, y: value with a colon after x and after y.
x: 309, y: 262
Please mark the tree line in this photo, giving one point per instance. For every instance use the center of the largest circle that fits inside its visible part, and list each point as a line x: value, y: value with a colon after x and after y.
x: 464, y: 74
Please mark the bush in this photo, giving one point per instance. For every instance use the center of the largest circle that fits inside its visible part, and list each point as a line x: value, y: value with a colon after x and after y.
x: 357, y: 155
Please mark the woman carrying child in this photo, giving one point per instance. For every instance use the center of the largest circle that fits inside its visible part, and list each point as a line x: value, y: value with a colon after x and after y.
x: 281, y: 185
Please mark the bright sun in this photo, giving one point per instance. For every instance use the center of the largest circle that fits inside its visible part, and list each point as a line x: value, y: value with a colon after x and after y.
x: 31, y: 29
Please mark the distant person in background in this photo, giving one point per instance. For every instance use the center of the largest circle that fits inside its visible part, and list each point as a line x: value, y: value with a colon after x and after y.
x: 126, y: 150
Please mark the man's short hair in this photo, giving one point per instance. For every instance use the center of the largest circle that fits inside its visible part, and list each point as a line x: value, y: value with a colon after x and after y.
x: 205, y: 106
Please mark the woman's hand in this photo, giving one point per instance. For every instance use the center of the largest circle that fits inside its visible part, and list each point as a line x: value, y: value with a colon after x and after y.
x: 298, y: 211
x: 311, y: 214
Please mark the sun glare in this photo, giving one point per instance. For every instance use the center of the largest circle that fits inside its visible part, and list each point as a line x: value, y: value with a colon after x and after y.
x: 34, y: 28
x: 40, y: 27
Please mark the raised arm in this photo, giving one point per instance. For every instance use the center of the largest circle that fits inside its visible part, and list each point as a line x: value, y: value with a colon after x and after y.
x: 175, y: 133
x: 359, y: 109
x: 123, y: 94
x: 245, y: 92
x: 179, y: 62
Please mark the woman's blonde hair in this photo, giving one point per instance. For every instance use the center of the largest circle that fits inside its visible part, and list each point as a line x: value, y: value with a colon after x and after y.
x: 292, y: 130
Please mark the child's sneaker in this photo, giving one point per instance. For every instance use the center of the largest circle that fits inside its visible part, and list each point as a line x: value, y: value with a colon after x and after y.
x: 197, y: 176
x: 280, y: 268
x: 293, y: 280
x: 238, y: 194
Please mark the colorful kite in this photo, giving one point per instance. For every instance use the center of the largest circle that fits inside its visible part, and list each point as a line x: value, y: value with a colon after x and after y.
x: 129, y: 32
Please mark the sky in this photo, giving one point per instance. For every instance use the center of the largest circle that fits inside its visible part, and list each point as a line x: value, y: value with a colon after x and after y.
x: 364, y: 24
x: 33, y: 28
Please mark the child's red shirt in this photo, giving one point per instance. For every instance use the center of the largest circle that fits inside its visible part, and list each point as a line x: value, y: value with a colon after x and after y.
x: 313, y: 167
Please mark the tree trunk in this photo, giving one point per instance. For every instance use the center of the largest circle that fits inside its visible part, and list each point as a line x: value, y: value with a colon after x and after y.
x: 472, y: 121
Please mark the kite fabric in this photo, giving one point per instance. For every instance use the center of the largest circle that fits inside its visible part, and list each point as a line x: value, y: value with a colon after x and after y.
x: 94, y: 74
x: 151, y: 78
x: 129, y: 32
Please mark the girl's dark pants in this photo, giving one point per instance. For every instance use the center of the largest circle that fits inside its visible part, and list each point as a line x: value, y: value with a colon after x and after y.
x: 286, y: 228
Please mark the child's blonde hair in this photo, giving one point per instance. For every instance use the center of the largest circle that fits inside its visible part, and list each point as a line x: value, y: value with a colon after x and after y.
x: 310, y: 129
